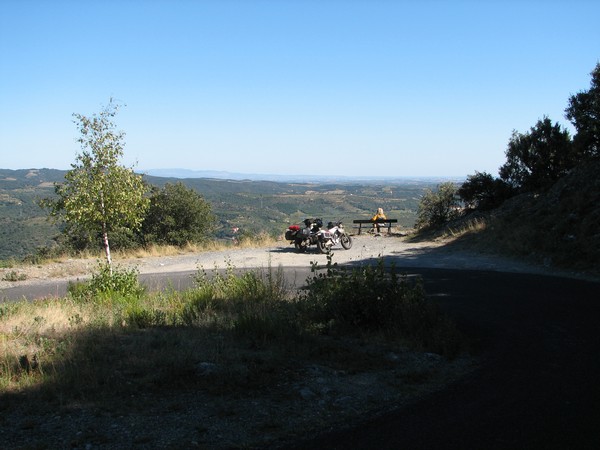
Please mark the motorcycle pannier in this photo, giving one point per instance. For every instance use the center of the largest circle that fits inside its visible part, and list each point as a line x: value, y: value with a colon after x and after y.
x: 290, y: 233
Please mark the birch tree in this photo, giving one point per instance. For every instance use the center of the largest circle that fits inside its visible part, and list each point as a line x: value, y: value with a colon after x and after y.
x: 99, y: 194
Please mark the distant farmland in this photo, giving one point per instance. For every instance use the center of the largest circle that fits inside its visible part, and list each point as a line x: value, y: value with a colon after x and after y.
x: 251, y: 206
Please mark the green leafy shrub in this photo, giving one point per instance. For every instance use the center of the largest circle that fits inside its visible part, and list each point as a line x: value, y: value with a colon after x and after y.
x: 7, y: 263
x: 481, y: 191
x: 177, y: 216
x: 104, y: 284
x: 537, y: 159
x: 13, y: 275
x: 138, y: 316
x: 438, y: 207
x: 250, y: 286
x: 371, y: 299
x: 252, y: 304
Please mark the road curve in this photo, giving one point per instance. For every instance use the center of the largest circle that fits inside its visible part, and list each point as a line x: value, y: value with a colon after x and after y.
x: 538, y: 384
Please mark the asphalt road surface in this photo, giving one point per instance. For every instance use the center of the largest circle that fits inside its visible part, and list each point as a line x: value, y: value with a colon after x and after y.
x: 538, y: 386
x: 152, y: 281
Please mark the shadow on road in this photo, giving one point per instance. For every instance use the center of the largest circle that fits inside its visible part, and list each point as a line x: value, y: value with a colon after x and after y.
x: 537, y: 385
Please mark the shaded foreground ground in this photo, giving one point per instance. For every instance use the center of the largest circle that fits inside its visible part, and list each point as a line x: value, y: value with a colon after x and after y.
x: 536, y: 335
x: 537, y: 386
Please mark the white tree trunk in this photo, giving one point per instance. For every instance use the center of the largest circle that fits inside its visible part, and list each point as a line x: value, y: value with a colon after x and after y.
x: 106, y: 247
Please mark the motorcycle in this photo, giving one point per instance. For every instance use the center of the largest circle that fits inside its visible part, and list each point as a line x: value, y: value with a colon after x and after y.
x: 334, y: 235
x: 304, y: 237
x: 312, y: 234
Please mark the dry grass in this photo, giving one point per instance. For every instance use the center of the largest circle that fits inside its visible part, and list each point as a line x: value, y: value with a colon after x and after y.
x: 254, y: 307
x: 68, y: 265
x: 234, y: 343
x: 38, y: 318
x: 257, y: 241
x: 471, y: 225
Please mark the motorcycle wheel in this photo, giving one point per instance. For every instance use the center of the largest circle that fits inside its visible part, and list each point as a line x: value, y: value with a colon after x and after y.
x: 346, y: 241
x: 301, y: 248
x: 321, y: 246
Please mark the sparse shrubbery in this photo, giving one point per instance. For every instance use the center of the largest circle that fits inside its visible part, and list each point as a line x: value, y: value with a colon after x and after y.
x: 253, y: 304
x: 438, y: 206
x: 13, y: 275
x: 106, y: 324
x: 107, y: 283
x: 375, y: 299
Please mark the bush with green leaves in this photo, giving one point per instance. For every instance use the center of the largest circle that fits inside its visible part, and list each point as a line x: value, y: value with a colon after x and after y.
x: 438, y: 206
x: 584, y: 113
x: 13, y: 275
x: 375, y: 299
x: 177, y: 216
x: 106, y: 283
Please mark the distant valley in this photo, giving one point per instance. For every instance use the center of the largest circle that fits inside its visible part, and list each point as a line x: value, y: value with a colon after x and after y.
x: 238, y: 201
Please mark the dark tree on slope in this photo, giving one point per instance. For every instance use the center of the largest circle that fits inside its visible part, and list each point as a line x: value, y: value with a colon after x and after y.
x: 483, y: 192
x: 584, y: 113
x: 536, y: 159
x: 177, y: 216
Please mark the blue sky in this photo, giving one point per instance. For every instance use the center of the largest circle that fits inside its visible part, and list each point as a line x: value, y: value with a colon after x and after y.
x: 394, y: 88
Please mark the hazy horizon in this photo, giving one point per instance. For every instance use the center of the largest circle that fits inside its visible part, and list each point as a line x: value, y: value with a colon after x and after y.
x: 360, y: 88
x: 182, y: 173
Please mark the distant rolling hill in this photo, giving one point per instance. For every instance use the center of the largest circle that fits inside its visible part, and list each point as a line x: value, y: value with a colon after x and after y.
x: 238, y: 202
x: 224, y: 175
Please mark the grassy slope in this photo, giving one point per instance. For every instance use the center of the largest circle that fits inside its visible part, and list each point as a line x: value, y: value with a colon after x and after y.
x: 558, y: 228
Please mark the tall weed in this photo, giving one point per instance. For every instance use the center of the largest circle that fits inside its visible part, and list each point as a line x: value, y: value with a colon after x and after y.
x: 106, y: 284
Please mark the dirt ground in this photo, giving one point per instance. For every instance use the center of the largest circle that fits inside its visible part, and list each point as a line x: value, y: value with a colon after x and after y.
x: 435, y: 254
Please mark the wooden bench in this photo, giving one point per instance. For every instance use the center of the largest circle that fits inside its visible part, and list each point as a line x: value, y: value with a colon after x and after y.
x: 386, y: 222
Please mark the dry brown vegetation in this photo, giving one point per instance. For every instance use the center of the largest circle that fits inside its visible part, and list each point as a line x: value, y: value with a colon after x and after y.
x: 559, y: 228
x: 238, y: 361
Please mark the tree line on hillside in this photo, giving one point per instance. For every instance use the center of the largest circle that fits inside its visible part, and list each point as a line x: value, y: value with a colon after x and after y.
x: 175, y: 215
x: 535, y: 160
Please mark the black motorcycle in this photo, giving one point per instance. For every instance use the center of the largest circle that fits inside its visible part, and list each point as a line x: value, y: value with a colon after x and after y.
x: 313, y: 234
x: 304, y: 237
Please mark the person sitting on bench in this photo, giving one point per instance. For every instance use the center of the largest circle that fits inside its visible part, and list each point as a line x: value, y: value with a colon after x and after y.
x: 378, y: 215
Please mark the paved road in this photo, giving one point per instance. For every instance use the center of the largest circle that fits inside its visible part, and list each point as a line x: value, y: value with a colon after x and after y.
x: 538, y: 386
x: 153, y: 281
